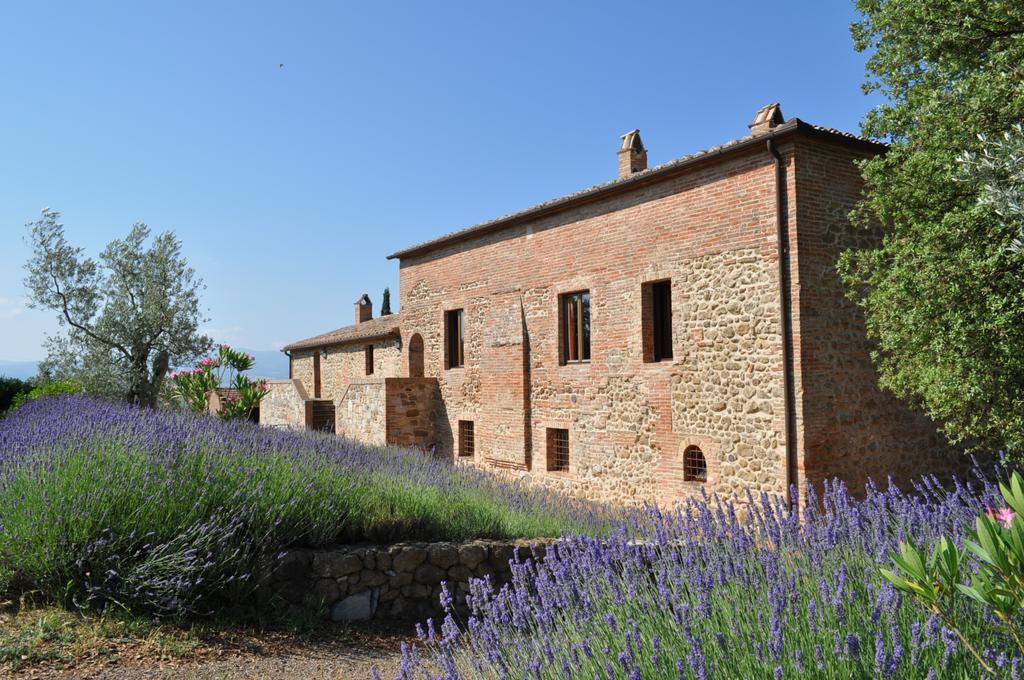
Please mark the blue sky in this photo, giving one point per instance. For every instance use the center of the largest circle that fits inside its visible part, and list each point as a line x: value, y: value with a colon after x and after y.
x: 388, y: 123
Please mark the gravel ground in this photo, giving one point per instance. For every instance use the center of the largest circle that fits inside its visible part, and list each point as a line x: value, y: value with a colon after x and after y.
x: 319, y: 665
x: 353, y: 655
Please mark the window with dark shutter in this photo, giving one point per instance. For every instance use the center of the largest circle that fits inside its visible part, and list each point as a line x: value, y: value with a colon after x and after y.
x: 454, y: 327
x: 661, y: 294
x: 369, y: 360
x: 574, y: 320
x: 316, y: 374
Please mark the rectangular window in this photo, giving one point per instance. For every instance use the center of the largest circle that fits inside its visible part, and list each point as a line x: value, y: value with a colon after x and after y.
x: 467, y: 441
x: 574, y: 319
x: 369, y: 360
x: 558, y: 450
x: 657, y: 320
x: 316, y: 374
x: 453, y: 331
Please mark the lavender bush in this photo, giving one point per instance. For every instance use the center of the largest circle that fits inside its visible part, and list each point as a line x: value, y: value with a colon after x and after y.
x: 171, y: 513
x: 700, y: 593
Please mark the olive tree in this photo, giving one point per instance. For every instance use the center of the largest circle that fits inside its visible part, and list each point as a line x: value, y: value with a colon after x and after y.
x: 126, y: 317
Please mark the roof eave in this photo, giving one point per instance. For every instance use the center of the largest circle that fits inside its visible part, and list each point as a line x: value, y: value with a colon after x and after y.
x: 640, y: 179
x: 311, y: 344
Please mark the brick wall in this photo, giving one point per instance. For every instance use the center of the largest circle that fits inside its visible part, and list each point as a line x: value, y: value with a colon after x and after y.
x: 712, y: 233
x: 851, y: 429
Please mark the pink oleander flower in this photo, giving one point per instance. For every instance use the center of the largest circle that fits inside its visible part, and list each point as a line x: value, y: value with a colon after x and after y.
x: 1003, y: 515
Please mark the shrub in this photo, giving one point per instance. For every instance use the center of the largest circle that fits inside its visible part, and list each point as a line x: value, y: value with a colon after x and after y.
x: 700, y: 593
x: 992, y: 558
x: 174, y: 514
x: 50, y: 388
x: 191, y: 387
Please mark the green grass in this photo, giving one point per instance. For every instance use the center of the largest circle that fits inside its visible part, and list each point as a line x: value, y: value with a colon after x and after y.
x: 33, y: 637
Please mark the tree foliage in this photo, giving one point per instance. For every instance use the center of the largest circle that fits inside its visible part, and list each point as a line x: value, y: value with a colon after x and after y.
x: 127, y: 317
x: 942, y: 294
x: 385, y: 303
x: 10, y: 389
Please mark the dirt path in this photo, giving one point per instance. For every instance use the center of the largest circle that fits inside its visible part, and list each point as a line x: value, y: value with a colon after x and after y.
x: 313, y: 665
x: 353, y: 654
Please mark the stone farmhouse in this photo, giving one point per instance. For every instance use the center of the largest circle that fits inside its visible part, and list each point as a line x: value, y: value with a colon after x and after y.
x: 678, y: 329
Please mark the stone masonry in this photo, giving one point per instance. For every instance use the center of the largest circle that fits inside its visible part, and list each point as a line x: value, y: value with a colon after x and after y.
x: 400, y: 581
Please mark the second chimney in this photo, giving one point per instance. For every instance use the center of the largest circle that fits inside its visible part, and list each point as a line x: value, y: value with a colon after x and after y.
x: 632, y: 154
x: 364, y: 309
x: 767, y: 117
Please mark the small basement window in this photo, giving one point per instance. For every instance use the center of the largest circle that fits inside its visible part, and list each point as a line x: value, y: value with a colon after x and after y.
x: 657, y: 320
x: 695, y: 468
x: 369, y: 359
x: 467, y: 439
x: 454, y: 331
x: 574, y: 324
x: 558, y: 450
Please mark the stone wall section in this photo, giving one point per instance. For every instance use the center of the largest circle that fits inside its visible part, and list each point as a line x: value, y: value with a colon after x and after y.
x: 411, y: 411
x: 727, y: 390
x: 400, y: 581
x: 284, y: 405
x: 361, y: 412
x: 344, y: 364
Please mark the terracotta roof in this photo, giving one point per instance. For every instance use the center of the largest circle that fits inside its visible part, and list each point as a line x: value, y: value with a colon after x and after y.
x: 374, y: 329
x: 652, y: 174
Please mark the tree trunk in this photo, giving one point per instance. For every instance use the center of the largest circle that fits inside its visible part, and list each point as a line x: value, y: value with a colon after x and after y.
x: 139, y: 385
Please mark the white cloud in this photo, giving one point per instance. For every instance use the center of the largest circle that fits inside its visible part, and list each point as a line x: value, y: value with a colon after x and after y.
x: 10, y: 308
x: 228, y: 334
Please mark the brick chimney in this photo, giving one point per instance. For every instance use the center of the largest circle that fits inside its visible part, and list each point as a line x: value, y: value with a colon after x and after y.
x: 767, y: 118
x: 364, y: 309
x: 632, y: 154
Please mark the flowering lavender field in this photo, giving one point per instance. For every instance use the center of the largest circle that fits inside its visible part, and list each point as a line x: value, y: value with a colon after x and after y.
x: 175, y: 514
x: 698, y: 593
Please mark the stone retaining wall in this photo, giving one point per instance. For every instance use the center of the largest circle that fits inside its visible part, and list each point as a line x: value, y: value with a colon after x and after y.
x: 399, y: 581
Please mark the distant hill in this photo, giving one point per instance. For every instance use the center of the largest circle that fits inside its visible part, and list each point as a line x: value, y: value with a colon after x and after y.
x: 27, y: 369
x: 269, y: 364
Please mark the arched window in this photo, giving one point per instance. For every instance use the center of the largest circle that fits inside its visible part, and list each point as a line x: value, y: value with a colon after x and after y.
x: 695, y: 468
x: 416, y: 356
